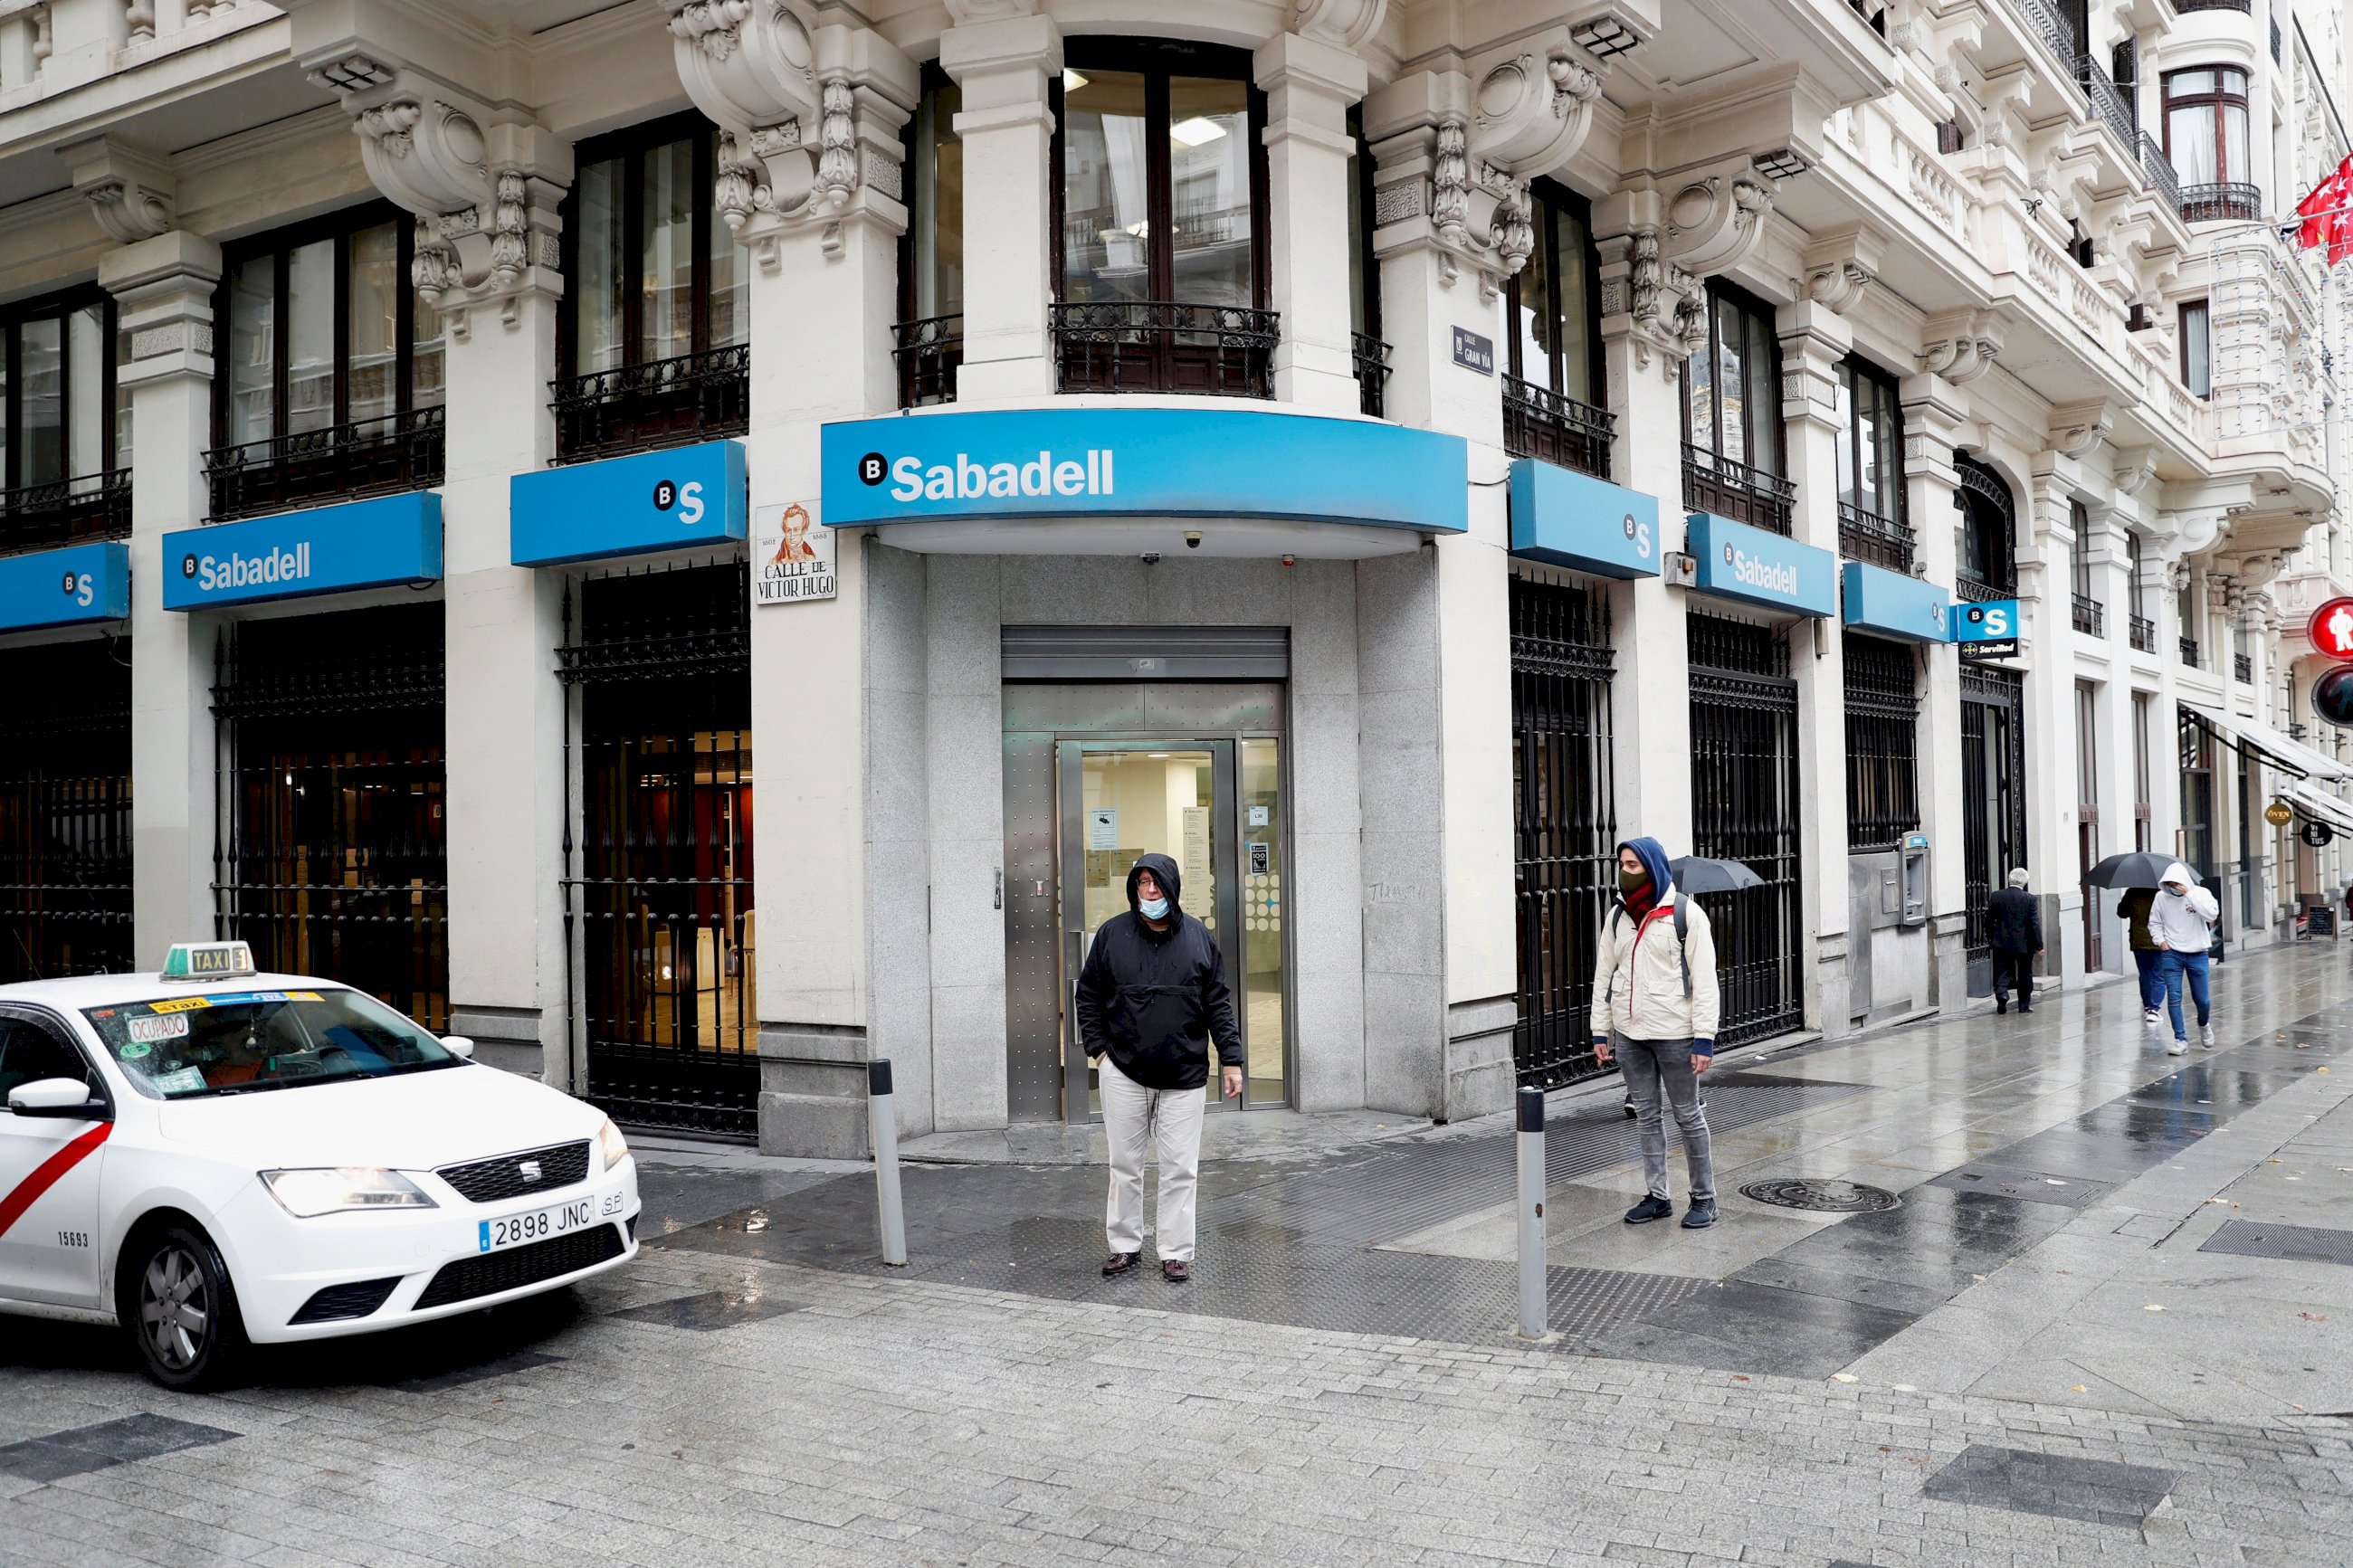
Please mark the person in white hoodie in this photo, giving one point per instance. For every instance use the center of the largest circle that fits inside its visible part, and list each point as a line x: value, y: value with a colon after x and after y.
x: 2181, y: 920
x: 1655, y: 1005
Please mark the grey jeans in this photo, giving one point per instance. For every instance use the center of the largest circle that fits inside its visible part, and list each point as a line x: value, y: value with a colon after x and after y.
x: 1648, y: 1065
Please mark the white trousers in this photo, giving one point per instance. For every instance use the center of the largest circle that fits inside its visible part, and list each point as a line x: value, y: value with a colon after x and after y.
x: 1132, y: 1114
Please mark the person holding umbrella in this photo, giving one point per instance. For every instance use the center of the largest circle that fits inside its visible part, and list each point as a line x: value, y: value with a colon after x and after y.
x: 2143, y: 875
x: 2183, y: 921
x: 1655, y: 1004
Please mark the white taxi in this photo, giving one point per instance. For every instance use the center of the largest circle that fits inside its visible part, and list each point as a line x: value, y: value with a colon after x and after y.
x: 212, y: 1158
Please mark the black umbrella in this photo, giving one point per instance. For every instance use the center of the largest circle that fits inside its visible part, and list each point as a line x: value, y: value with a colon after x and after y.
x: 1694, y: 874
x: 2140, y: 869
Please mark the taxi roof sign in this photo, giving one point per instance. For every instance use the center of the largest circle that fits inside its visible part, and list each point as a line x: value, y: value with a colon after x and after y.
x: 207, y: 960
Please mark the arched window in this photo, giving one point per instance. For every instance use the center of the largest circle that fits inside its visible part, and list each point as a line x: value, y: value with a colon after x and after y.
x: 2205, y: 139
x: 1989, y: 565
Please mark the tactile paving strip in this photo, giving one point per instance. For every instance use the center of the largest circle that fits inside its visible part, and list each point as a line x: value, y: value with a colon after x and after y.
x: 2294, y: 1243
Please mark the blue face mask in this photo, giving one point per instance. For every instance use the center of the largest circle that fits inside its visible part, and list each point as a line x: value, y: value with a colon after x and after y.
x: 2177, y: 892
x: 1155, y: 909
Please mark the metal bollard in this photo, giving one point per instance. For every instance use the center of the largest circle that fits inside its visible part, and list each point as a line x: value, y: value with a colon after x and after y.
x: 884, y: 1121
x: 1535, y: 1319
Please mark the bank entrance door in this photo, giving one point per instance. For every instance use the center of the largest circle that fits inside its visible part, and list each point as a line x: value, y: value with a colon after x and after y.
x: 1081, y: 809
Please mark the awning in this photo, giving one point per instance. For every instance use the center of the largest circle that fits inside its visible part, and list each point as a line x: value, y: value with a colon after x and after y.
x: 2254, y: 735
x: 2319, y: 804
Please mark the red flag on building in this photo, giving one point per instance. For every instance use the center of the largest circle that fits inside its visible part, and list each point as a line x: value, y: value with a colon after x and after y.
x: 2324, y: 211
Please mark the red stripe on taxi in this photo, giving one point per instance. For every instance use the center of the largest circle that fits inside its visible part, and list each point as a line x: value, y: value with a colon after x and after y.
x: 48, y: 1173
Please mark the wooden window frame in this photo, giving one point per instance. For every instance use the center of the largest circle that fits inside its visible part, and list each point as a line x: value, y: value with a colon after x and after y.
x: 2204, y: 308
x: 1545, y: 195
x: 2218, y: 98
x: 60, y: 307
x: 279, y: 244
x: 1856, y: 368
x: 626, y: 145
x: 1748, y: 304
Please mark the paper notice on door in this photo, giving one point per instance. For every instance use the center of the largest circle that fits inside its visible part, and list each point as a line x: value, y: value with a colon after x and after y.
x: 1195, y: 862
x: 1102, y: 827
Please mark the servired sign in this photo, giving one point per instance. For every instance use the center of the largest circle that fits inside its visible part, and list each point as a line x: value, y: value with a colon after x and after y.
x: 2331, y: 630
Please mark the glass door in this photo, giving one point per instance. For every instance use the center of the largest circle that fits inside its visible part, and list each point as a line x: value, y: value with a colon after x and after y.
x: 1218, y: 817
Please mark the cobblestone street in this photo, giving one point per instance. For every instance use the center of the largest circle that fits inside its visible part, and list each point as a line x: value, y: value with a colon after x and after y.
x: 2149, y: 1369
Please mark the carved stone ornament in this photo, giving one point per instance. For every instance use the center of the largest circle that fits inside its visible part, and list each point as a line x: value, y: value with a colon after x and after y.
x: 1836, y: 285
x: 2076, y: 429
x: 130, y: 191
x: 1961, y: 346
x: 1715, y: 218
x: 2134, y: 467
x: 1532, y: 111
x: 1344, y: 24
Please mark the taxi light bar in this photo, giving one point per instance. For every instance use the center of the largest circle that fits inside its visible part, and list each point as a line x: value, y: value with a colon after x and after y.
x: 207, y: 960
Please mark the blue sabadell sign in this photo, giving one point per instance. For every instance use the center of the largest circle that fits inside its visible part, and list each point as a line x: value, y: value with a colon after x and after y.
x: 671, y: 499
x: 391, y: 542
x: 81, y: 585
x: 1891, y: 604
x: 1756, y: 567
x: 1567, y: 519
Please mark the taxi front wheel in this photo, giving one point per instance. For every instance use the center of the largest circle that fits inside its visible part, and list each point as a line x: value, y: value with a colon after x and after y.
x: 181, y: 1310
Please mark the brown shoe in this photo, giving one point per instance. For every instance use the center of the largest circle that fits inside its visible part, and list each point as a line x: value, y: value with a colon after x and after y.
x: 1175, y: 1270
x: 1121, y: 1262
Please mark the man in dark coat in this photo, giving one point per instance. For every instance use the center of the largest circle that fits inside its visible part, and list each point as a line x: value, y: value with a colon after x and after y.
x: 1152, y: 999
x: 2014, y: 919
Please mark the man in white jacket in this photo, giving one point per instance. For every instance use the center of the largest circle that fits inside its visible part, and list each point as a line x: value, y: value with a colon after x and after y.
x: 1654, y: 1007
x: 2182, y: 920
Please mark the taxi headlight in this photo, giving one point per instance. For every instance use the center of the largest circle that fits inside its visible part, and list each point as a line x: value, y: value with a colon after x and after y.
x: 306, y: 1195
x: 611, y: 1145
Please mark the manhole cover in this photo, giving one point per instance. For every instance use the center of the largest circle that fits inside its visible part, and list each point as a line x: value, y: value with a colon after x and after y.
x: 1822, y: 1196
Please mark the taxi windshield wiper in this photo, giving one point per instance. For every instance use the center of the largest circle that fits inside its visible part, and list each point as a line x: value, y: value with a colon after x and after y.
x: 255, y: 1085
x: 418, y: 1067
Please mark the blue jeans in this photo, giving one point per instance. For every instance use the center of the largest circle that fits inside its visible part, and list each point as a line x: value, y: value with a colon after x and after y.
x: 2192, y: 965
x: 2152, y: 961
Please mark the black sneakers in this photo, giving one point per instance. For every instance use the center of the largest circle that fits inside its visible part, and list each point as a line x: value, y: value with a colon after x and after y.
x: 1647, y: 1210
x: 1700, y: 1216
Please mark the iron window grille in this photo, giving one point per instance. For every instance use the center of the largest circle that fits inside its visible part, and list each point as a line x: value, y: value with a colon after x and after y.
x: 1745, y: 807
x: 2243, y: 669
x: 331, y: 858
x: 2089, y: 614
x: 657, y: 890
x: 1567, y: 829
x: 300, y: 418
x: 1548, y: 346
x: 1882, y: 743
x: 929, y: 351
x: 1988, y: 563
x: 1993, y: 794
x: 700, y: 396
x: 651, y: 345
x: 1877, y: 540
x: 1541, y: 423
x: 65, y: 810
x: 65, y: 448
x: 1133, y: 314
x: 2144, y: 635
x: 1733, y: 444
x: 1372, y: 361
x: 2190, y: 652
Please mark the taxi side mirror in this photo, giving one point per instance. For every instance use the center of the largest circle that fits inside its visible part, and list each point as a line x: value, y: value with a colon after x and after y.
x: 458, y: 1045
x: 58, y: 1097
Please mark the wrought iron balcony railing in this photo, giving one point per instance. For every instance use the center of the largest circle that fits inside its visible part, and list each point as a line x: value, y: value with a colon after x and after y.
x: 2159, y: 171
x: 66, y: 512
x: 1372, y: 375
x: 1980, y: 590
x: 337, y: 462
x: 2190, y: 652
x: 663, y: 402
x: 2114, y: 106
x: 1541, y: 423
x: 1876, y: 541
x: 2223, y: 203
x: 2144, y: 634
x: 2184, y: 8
x: 929, y: 351
x: 2052, y: 26
x: 1146, y: 345
x: 2091, y: 615
x: 2242, y: 665
x: 1712, y: 482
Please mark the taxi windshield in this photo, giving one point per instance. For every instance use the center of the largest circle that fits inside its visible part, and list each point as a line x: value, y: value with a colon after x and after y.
x: 180, y: 1047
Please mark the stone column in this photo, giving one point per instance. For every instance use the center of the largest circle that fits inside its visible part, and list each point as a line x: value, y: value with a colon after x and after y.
x: 163, y: 288
x: 1813, y: 341
x: 1309, y: 86
x: 2112, y: 754
x: 502, y: 624
x: 1006, y: 67
x: 1933, y: 411
x: 2046, y: 609
x: 824, y: 294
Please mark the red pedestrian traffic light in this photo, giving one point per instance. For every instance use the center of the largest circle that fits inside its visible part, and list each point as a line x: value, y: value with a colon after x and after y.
x: 2331, y: 630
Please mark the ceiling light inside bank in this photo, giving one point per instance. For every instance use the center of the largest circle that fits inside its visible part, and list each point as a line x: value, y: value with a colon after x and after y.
x: 1072, y: 81
x: 1198, y: 132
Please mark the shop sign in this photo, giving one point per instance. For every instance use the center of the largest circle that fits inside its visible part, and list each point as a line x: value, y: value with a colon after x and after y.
x: 1986, y: 630
x: 1563, y: 517
x: 1142, y: 463
x: 2315, y: 833
x: 1733, y: 561
x: 672, y: 499
x: 2331, y: 630
x: 391, y: 542
x: 1892, y: 603
x: 82, y: 585
x: 791, y: 556
x: 2279, y: 814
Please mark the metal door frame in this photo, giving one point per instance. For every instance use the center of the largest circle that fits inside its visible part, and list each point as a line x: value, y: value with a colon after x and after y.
x: 1225, y: 765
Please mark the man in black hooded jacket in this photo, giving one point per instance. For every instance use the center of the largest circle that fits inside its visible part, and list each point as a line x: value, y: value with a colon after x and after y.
x: 1151, y: 1000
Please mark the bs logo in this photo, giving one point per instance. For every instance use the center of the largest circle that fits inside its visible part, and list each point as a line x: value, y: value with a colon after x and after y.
x: 687, y: 498
x: 873, y: 469
x: 81, y: 588
x: 1727, y: 555
x: 187, y: 565
x: 1992, y: 621
x: 1640, y: 533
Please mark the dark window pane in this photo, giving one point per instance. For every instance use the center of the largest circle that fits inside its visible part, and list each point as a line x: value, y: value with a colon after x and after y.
x: 1105, y: 188
x: 937, y: 182
x: 666, y: 260
x: 1209, y: 183
x: 311, y: 336
x: 40, y: 401
x: 603, y: 268
x: 375, y: 287
x: 252, y: 348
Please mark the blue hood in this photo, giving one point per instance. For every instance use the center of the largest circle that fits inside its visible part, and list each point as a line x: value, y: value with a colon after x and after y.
x: 1653, y: 855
